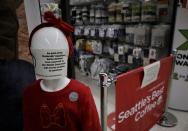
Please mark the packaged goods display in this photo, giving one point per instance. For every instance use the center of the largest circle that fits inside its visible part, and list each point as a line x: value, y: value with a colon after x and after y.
x: 130, y: 33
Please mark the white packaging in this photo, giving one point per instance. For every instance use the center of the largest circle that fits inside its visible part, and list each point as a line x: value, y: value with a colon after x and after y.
x: 153, y: 53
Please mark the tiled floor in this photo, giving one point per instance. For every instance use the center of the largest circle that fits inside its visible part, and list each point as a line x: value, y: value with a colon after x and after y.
x: 93, y: 84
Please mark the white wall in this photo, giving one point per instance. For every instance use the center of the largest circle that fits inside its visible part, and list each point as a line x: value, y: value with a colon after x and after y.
x: 32, y: 14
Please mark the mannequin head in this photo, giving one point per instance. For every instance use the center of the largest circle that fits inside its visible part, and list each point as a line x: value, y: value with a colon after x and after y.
x: 49, y: 38
x: 49, y: 49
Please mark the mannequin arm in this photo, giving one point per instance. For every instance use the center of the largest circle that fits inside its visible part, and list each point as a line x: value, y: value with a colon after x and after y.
x: 28, y: 124
x: 90, y: 115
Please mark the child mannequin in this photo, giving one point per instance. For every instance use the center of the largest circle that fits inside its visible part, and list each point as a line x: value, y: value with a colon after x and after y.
x: 54, y: 102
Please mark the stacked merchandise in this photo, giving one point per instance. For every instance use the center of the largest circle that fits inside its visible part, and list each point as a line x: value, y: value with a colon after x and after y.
x: 137, y: 48
x: 118, y: 37
x: 93, y: 14
x: 78, y: 2
x: 129, y: 11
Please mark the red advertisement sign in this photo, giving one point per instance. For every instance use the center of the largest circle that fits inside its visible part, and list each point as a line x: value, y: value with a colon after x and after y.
x: 139, y: 108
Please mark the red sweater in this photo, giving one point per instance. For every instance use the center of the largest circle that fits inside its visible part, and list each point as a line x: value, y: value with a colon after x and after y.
x: 70, y: 109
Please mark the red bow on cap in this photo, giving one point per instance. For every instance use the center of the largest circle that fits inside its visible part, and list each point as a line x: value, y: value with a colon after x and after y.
x: 52, y: 21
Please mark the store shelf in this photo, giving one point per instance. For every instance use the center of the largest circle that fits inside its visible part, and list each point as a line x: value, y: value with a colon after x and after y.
x: 87, y: 3
x: 96, y: 38
x: 104, y: 56
x: 124, y: 23
x: 104, y: 2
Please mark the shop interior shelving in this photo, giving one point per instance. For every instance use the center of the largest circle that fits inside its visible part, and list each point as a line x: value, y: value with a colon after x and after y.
x: 110, y: 24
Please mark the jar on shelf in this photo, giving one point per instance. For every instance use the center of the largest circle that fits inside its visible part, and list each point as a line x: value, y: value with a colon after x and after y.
x: 104, y: 15
x: 121, y: 33
x: 86, y: 30
x: 92, y: 31
x: 129, y: 35
x: 79, y: 31
x: 110, y: 32
x: 92, y: 14
x: 85, y: 15
x: 112, y: 13
x: 73, y: 15
x: 98, y: 14
x: 136, y: 11
x: 119, y: 15
x: 126, y: 11
x: 117, y: 29
x: 137, y: 52
x: 102, y: 31
x: 149, y: 10
x: 88, y: 46
x: 79, y: 16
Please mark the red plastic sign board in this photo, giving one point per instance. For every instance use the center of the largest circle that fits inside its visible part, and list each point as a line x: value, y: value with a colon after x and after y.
x: 138, y: 109
x: 111, y: 120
